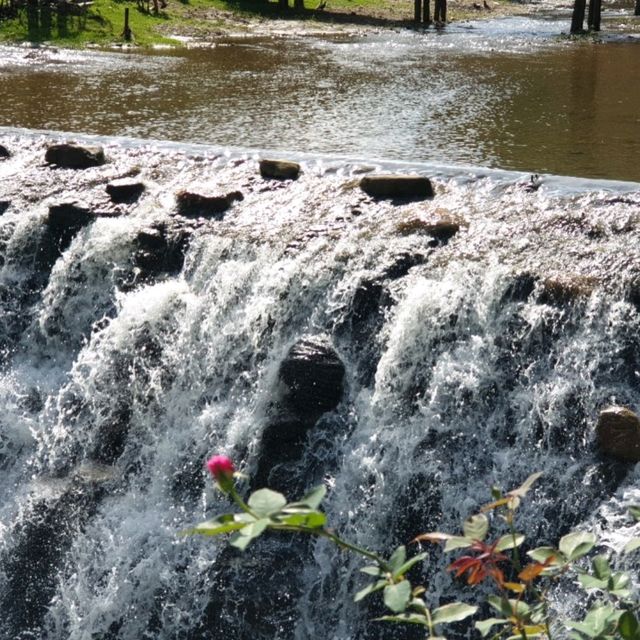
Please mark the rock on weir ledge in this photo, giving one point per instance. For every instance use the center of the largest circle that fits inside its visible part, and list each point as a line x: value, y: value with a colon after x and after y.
x: 397, y: 187
x: 73, y: 156
x: 279, y: 169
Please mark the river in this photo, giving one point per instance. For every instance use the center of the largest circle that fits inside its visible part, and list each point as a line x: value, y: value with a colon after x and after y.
x: 501, y: 93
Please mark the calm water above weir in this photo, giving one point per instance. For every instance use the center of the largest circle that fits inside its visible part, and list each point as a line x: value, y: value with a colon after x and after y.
x: 506, y: 93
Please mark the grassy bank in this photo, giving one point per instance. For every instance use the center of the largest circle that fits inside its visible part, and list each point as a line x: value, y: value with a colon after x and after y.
x: 101, y: 22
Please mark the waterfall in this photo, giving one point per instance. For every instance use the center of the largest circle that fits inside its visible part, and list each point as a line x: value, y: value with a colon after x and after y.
x: 469, y: 361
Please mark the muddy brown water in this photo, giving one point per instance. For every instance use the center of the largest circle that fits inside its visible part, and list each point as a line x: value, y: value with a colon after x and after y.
x: 504, y: 93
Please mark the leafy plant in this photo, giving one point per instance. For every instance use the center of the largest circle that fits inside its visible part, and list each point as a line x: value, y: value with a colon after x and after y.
x: 521, y: 591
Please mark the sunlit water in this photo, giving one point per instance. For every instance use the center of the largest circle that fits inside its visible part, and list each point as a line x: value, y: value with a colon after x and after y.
x: 505, y: 93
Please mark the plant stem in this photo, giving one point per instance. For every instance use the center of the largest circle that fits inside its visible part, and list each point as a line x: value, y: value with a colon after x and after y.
x: 352, y: 547
x: 240, y: 502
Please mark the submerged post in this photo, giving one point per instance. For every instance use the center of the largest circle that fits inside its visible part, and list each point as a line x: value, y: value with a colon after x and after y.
x: 637, y: 11
x: 126, y: 31
x: 594, y: 16
x: 417, y: 10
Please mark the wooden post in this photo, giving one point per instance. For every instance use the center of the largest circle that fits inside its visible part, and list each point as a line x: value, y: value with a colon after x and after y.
x: 426, y: 11
x: 298, y: 4
x: 126, y: 31
x: 577, y: 19
x: 597, y: 14
x: 417, y: 11
x: 284, y: 4
x: 637, y: 11
x: 440, y: 11
x: 590, y: 14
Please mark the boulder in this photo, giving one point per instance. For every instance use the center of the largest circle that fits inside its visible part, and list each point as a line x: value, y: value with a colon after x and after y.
x: 397, y: 187
x: 313, y: 374
x: 564, y: 289
x: 192, y: 204
x: 618, y: 433
x: 4, y: 205
x: 519, y: 288
x: 63, y: 222
x: 279, y: 169
x: 160, y: 249
x: 4, y: 152
x: 441, y: 227
x: 73, y: 156
x: 125, y: 190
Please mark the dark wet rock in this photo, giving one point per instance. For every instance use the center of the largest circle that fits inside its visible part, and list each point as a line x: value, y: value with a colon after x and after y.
x: 64, y: 221
x: 618, y: 433
x: 125, y: 190
x: 397, y: 187
x: 403, y: 263
x: 111, y: 436
x: 40, y: 540
x: 73, y: 156
x: 565, y: 289
x: 519, y: 288
x: 4, y: 205
x: 201, y: 205
x: 441, y: 227
x: 160, y: 249
x: 313, y: 375
x: 4, y: 152
x: 279, y: 169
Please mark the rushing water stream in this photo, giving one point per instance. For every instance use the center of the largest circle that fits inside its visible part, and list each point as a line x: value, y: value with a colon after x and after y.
x: 505, y: 93
x: 468, y: 362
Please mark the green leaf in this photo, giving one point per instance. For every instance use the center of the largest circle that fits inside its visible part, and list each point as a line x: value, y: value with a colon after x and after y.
x: 508, y: 542
x: 397, y: 596
x: 265, y: 502
x: 509, y: 607
x: 410, y: 618
x: 577, y: 544
x: 476, y: 527
x: 591, y: 582
x: 634, y: 510
x: 618, y: 585
x: 632, y: 545
x: 601, y: 619
x: 309, y: 519
x: 248, y: 532
x: 312, y: 499
x: 370, y: 588
x: 457, y: 542
x: 397, y: 558
x: 541, y: 554
x: 628, y: 626
x: 483, y: 626
x: 372, y: 570
x: 452, y: 612
x: 601, y: 568
x: 408, y: 564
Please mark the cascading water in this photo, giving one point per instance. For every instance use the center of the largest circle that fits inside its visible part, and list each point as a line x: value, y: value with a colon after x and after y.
x: 469, y: 362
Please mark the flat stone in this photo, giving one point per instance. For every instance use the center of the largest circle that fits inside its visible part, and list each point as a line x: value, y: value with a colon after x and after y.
x: 125, y: 190
x: 442, y: 227
x: 73, y: 156
x: 397, y: 187
x: 4, y: 152
x: 192, y: 204
x: 618, y: 433
x: 279, y: 169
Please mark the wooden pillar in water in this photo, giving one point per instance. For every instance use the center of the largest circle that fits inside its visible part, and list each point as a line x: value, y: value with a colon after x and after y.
x: 284, y: 4
x: 426, y: 11
x: 417, y: 11
x: 637, y: 11
x: 440, y: 11
x: 577, y: 19
x: 126, y: 32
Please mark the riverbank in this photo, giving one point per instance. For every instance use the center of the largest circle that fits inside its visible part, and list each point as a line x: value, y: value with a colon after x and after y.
x: 181, y: 22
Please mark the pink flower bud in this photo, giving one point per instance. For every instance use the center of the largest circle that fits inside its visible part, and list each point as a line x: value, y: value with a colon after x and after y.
x: 222, y: 469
